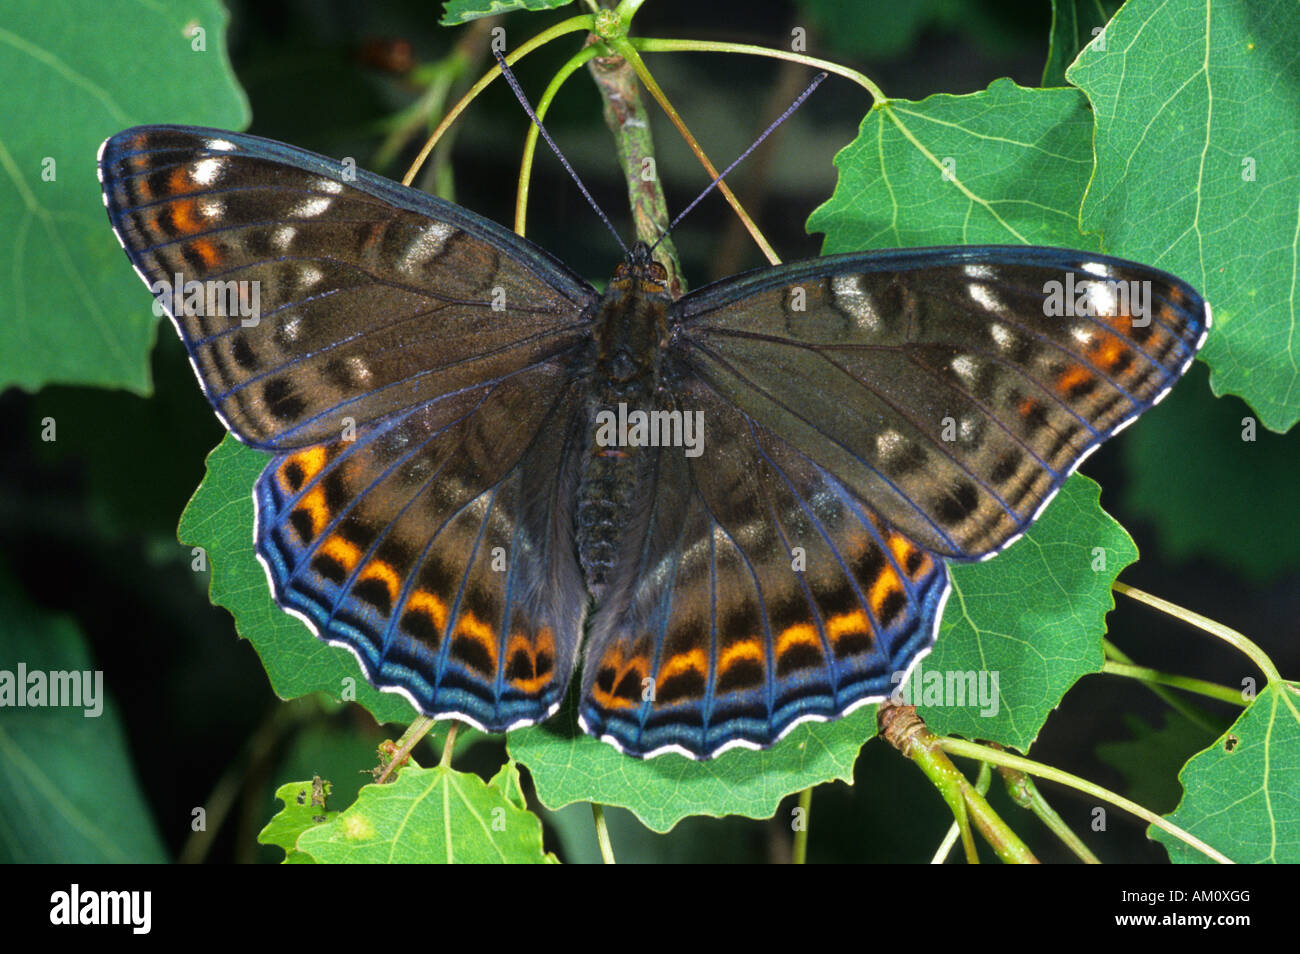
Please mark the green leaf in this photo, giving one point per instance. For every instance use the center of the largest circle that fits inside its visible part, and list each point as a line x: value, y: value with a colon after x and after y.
x: 455, y: 12
x: 1242, y: 794
x: 1197, y: 134
x: 74, y: 73
x: 220, y: 519
x: 507, y: 782
x: 568, y: 766
x: 304, y: 809
x: 430, y: 815
x: 1073, y: 23
x: 1033, y: 617
x: 67, y: 782
x: 1005, y: 165
x: 1216, y: 485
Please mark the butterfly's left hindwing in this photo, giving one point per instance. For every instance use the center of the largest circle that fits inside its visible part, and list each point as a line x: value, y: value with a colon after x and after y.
x: 438, y: 552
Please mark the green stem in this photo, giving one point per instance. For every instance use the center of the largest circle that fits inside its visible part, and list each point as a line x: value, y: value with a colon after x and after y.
x: 1194, y: 714
x: 955, y: 831
x: 972, y: 750
x: 583, y: 24
x: 405, y: 745
x: 1026, y: 794
x: 1211, y: 689
x: 649, y: 45
x: 902, y: 728
x: 449, y: 745
x: 799, y: 853
x: 628, y: 51
x: 572, y: 65
x: 1229, y: 636
x: 602, y: 833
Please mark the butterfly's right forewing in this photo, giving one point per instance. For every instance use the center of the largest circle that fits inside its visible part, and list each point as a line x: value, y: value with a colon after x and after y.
x: 938, y: 384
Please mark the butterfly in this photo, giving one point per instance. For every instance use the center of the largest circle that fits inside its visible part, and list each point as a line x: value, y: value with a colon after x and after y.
x: 733, y: 511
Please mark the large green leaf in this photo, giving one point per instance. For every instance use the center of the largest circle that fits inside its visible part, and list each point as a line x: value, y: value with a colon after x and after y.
x: 1198, y: 128
x: 430, y: 815
x: 67, y: 783
x: 72, y: 73
x: 1006, y: 165
x: 1032, y: 618
x: 305, y: 807
x: 1242, y: 794
x: 568, y: 766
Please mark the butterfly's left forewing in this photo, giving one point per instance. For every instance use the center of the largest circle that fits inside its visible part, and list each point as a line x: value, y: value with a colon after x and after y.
x: 326, y: 294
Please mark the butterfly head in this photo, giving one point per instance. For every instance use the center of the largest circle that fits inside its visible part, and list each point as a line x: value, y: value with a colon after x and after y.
x: 641, y: 273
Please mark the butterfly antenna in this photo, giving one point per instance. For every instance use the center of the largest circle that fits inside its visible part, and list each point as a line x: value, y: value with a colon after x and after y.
x: 817, y: 81
x: 532, y: 114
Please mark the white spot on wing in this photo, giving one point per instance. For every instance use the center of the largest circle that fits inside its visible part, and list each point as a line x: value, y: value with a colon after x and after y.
x: 978, y: 271
x: 205, y: 171
x: 965, y: 366
x: 427, y: 244
x: 283, y: 236
x: 358, y: 368
x: 889, y: 444
x: 846, y: 290
x: 309, y: 208
x: 984, y: 296
x: 220, y: 145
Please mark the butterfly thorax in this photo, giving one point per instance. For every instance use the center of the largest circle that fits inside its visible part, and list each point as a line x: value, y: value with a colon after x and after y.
x: 629, y: 337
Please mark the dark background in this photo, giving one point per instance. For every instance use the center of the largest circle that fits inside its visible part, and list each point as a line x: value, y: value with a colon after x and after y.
x: 90, y: 530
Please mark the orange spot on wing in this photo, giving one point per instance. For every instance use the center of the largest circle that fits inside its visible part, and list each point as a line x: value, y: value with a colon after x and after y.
x: 850, y: 624
x: 470, y: 625
x: 206, y: 251
x: 613, y: 660
x: 1072, y: 377
x: 422, y: 601
x: 885, y: 583
x: 750, y: 649
x: 341, y: 551
x: 695, y: 659
x: 185, y: 217
x: 379, y: 570
x: 800, y: 634
x: 1107, y: 351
